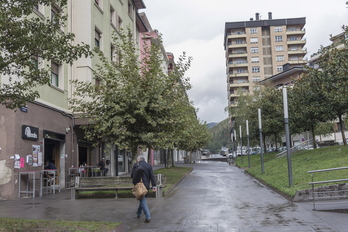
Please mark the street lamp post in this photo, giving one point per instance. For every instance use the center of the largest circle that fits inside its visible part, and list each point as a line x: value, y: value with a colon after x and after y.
x: 247, y: 134
x: 235, y: 143
x: 287, y: 134
x: 241, y: 140
x: 260, y: 129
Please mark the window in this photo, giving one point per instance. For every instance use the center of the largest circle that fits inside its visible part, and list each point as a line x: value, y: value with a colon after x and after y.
x: 54, y: 15
x: 35, y: 60
x: 54, y: 73
x: 255, y: 69
x: 99, y: 4
x: 292, y: 38
x: 255, y: 59
x: 130, y: 9
x: 254, y: 50
x: 239, y: 41
x: 112, y: 52
x: 256, y: 89
x: 112, y: 16
x: 119, y: 23
x: 279, y: 38
x: 240, y: 70
x: 278, y: 29
x: 253, y: 40
x: 279, y: 48
x: 97, y: 38
x: 253, y: 30
x: 280, y: 58
x: 256, y: 79
x: 280, y: 68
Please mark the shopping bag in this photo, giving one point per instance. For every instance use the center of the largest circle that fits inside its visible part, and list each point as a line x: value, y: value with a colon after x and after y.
x: 139, y: 190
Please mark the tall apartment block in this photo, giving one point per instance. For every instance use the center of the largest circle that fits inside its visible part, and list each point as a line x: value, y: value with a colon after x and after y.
x: 258, y: 49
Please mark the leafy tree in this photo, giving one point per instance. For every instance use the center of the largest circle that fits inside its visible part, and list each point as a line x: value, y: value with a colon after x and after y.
x: 136, y: 103
x: 272, y: 113
x: 334, y: 76
x: 26, y: 39
x: 308, y: 106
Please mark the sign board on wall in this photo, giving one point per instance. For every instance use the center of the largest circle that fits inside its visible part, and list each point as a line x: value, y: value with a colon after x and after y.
x: 30, y: 133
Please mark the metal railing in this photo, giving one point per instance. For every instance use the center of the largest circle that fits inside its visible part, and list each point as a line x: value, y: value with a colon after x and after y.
x: 305, y: 145
x: 327, y: 194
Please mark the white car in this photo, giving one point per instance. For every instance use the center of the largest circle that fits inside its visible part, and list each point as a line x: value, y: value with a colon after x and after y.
x: 232, y: 155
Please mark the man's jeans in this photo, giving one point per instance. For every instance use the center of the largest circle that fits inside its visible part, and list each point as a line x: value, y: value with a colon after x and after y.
x: 143, y: 207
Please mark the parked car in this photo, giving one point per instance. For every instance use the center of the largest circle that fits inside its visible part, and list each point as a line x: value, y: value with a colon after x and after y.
x: 224, y: 151
x: 205, y: 152
x: 232, y: 155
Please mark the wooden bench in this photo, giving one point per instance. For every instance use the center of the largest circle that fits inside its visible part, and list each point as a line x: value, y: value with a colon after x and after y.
x: 75, y: 191
x: 98, y: 184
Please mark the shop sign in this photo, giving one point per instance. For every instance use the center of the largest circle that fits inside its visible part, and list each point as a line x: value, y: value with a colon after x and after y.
x: 30, y: 133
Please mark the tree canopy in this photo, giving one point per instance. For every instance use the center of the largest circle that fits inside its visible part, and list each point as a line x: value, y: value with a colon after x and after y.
x: 137, y: 102
x: 28, y: 39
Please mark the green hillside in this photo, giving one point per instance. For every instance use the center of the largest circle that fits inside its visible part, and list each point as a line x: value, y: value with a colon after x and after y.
x: 220, y: 136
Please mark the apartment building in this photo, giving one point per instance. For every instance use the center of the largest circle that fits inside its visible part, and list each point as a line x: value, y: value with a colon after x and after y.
x: 46, y: 130
x: 95, y: 23
x: 257, y: 49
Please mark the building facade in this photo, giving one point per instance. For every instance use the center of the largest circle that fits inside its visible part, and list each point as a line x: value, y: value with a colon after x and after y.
x: 257, y: 49
x: 46, y: 129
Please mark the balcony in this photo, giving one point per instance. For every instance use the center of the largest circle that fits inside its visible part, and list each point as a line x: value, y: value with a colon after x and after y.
x: 238, y: 64
x: 297, y: 52
x: 233, y: 75
x: 239, y: 85
x: 236, y: 35
x: 238, y: 54
x: 237, y: 45
x: 296, y: 32
x: 298, y: 41
x: 302, y: 62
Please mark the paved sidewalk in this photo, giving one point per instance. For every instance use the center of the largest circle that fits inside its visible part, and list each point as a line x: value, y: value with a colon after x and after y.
x: 214, y: 197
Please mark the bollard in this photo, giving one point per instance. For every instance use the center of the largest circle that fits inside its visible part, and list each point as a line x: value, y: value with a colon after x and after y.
x: 72, y: 193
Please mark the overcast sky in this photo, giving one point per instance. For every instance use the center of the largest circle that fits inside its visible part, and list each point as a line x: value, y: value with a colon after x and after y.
x: 197, y: 28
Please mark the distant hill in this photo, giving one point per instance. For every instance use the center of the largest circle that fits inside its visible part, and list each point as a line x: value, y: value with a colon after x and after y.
x: 220, y: 135
x: 211, y: 124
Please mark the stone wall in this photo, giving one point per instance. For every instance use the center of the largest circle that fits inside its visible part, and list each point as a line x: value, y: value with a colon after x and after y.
x: 331, y: 192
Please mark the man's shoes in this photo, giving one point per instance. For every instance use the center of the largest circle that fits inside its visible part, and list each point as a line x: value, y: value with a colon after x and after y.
x: 147, y: 220
x: 138, y: 216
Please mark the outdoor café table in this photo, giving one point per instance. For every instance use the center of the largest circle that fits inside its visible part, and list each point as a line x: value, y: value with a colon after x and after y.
x: 52, y: 181
x: 91, y: 170
x: 31, y: 177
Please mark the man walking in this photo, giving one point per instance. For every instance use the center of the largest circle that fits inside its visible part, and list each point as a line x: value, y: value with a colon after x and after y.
x: 102, y: 167
x: 143, y: 171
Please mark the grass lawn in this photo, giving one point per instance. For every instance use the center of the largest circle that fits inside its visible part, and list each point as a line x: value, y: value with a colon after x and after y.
x: 27, y: 225
x: 173, y: 176
x: 276, y: 169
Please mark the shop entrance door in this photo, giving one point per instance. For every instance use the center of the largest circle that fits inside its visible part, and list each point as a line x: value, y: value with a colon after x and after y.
x: 52, y: 151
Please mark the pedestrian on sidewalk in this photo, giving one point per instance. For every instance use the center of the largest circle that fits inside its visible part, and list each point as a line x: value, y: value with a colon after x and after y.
x: 143, y: 171
x: 102, y: 167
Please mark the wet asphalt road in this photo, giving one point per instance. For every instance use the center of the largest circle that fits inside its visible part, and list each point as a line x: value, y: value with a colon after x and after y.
x: 213, y: 197
x: 218, y: 197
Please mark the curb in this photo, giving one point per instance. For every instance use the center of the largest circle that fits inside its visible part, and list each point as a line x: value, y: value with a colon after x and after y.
x: 176, y: 184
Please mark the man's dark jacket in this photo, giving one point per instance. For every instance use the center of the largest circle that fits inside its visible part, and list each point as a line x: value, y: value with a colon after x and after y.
x: 143, y: 170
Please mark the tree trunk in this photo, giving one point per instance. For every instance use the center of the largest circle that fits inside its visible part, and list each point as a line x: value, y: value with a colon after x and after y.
x: 342, y: 130
x: 313, y: 136
x: 173, y: 158
x: 134, y: 151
